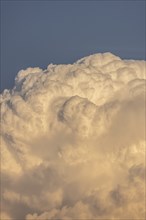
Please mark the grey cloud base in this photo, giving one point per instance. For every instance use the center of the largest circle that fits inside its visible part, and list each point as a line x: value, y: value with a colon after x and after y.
x: 73, y: 141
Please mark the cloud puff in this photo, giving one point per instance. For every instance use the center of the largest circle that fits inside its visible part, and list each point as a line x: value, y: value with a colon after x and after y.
x: 73, y: 141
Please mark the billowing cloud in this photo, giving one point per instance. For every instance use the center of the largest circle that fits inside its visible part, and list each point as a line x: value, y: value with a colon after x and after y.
x: 73, y: 141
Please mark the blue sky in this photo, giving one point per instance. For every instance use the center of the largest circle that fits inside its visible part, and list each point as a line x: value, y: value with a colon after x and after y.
x: 36, y: 33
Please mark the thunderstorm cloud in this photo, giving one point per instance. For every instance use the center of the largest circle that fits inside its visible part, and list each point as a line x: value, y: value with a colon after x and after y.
x: 73, y: 141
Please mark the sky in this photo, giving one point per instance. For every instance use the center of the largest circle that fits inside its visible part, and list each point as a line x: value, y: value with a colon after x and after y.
x: 36, y: 33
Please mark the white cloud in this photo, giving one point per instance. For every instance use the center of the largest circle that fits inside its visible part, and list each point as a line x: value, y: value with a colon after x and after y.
x: 73, y: 139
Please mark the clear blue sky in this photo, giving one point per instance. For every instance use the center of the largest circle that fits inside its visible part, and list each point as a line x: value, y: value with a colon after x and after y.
x: 36, y: 33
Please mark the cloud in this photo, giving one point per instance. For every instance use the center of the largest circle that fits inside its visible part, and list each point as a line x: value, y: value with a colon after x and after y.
x: 73, y: 141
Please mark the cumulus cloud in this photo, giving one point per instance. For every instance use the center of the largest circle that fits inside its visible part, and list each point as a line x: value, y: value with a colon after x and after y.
x: 73, y: 141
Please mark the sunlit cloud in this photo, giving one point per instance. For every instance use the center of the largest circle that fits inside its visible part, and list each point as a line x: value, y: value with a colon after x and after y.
x: 73, y: 141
